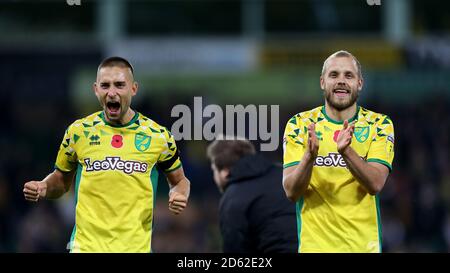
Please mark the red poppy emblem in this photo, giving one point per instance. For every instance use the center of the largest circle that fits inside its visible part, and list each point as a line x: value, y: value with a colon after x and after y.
x: 117, y: 141
x: 336, y: 133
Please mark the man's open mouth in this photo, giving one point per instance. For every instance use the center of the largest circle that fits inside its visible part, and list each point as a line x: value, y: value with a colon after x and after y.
x: 113, y: 107
x: 341, y: 92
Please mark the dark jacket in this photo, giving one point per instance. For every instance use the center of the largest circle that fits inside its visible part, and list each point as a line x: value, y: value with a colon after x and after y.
x: 255, y: 214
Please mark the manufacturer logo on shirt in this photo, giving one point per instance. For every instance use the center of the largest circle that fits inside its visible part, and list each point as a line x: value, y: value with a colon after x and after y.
x: 94, y: 140
x: 115, y: 163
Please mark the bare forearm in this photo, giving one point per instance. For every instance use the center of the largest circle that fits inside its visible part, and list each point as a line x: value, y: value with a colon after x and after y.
x: 183, y: 187
x: 55, y: 185
x: 296, y: 182
x: 368, y: 176
x: 179, y: 190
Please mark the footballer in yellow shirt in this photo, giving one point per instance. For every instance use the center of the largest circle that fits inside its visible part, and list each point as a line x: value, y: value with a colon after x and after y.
x: 336, y: 160
x: 115, y: 157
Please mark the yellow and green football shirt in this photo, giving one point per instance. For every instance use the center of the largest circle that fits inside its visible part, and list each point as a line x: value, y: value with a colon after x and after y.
x: 116, y: 180
x: 336, y: 214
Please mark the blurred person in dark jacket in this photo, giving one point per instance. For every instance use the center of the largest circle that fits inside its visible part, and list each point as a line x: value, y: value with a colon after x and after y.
x: 255, y: 215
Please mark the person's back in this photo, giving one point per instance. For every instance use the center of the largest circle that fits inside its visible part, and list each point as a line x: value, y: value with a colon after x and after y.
x: 255, y: 215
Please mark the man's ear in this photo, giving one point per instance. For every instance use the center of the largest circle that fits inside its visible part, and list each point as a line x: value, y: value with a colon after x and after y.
x: 224, y: 174
x: 134, y: 88
x: 322, y: 83
x: 360, y: 84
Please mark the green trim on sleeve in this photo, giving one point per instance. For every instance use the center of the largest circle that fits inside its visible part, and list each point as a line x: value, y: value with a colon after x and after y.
x: 290, y: 164
x: 176, y: 168
x: 385, y: 163
x: 59, y: 169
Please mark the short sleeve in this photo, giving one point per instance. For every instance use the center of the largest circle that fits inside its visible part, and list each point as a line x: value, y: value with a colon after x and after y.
x: 169, y: 160
x: 293, y: 142
x: 66, y: 159
x: 382, y: 147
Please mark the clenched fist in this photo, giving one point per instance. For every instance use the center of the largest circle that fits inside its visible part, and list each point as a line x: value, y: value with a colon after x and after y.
x: 177, y: 202
x: 34, y: 190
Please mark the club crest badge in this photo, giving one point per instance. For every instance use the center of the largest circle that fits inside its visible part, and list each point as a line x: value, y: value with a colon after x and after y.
x: 362, y: 133
x: 142, y: 142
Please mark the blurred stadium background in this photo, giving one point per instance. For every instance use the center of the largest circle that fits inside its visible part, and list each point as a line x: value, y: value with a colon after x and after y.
x: 266, y: 52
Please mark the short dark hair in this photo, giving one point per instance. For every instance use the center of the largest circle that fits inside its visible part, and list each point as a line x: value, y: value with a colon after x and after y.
x: 116, y: 61
x: 225, y: 153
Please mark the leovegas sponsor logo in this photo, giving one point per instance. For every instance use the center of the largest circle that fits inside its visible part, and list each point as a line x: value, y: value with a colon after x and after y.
x: 115, y: 163
x: 331, y: 160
